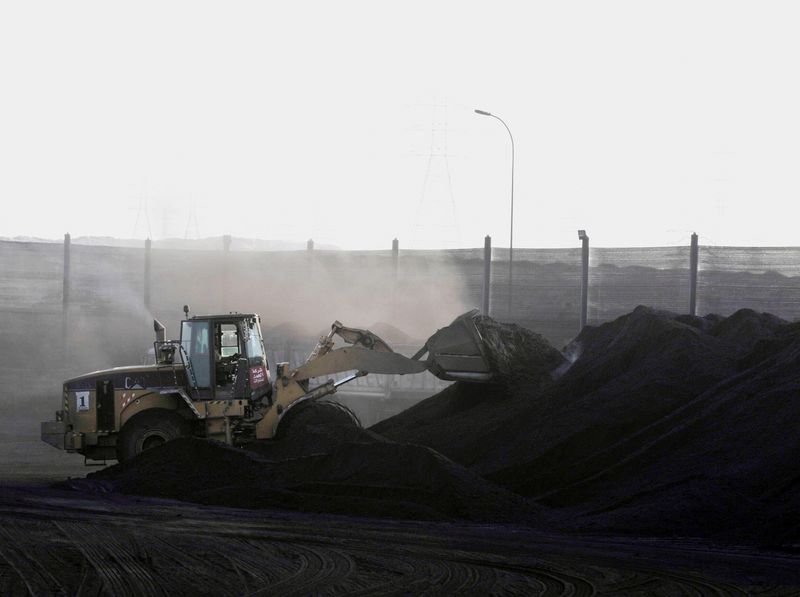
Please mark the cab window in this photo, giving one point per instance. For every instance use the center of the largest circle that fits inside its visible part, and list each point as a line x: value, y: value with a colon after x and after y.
x: 228, y: 340
x: 195, y: 341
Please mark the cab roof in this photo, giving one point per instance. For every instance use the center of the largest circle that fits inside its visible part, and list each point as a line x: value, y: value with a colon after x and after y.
x: 228, y: 316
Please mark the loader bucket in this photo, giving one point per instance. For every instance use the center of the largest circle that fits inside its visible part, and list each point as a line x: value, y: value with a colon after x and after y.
x: 457, y: 352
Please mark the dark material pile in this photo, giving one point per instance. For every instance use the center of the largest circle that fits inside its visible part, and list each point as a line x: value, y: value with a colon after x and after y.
x: 663, y: 424
x: 657, y: 424
x: 516, y: 353
x: 331, y: 468
x: 468, y: 420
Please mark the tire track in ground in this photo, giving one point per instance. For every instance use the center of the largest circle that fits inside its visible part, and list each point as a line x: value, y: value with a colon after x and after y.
x: 428, y: 575
x: 518, y: 573
x: 550, y: 579
x: 307, y: 569
x: 651, y: 579
x: 437, y: 570
x: 376, y: 581
x: 420, y: 562
x: 18, y: 550
x: 646, y: 581
x: 255, y: 569
x: 412, y: 570
x: 90, y: 583
x: 119, y: 568
x: 320, y: 567
x: 432, y: 563
x: 529, y: 577
x: 191, y: 550
x: 190, y: 561
x: 691, y: 585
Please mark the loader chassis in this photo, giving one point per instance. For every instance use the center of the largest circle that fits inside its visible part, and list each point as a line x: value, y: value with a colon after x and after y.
x: 214, y: 375
x: 214, y: 382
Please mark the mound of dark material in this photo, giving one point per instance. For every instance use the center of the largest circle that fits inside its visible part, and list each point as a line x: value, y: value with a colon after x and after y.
x: 662, y: 424
x: 517, y: 353
x: 467, y: 419
x: 332, y: 469
x: 723, y: 465
x: 627, y: 375
x: 657, y: 424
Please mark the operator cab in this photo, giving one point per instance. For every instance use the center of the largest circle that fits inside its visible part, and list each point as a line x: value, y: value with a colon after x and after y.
x: 224, y: 357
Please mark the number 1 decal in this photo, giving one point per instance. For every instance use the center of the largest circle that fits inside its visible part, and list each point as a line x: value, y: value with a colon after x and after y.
x: 82, y: 401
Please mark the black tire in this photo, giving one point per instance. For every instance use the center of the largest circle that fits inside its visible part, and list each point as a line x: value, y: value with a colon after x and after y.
x: 150, y: 429
x: 315, y: 413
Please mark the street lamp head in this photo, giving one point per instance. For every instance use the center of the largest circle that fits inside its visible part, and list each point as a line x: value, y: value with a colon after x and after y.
x: 483, y: 113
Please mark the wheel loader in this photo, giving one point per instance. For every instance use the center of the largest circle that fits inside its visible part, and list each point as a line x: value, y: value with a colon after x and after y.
x: 214, y: 382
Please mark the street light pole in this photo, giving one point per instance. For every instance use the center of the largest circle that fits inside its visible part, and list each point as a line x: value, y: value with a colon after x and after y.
x: 511, y: 232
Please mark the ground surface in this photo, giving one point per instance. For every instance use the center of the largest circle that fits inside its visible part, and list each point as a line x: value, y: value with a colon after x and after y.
x: 55, y: 542
x: 63, y: 542
x: 661, y: 462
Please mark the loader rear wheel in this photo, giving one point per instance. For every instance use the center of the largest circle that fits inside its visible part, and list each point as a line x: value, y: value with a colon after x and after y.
x: 315, y: 414
x: 149, y: 430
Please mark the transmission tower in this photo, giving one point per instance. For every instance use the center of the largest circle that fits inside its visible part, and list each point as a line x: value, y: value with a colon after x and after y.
x: 436, y: 222
x: 142, y: 208
x: 192, y: 219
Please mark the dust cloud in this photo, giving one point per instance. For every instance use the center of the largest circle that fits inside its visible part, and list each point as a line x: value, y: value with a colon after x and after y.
x: 107, y: 323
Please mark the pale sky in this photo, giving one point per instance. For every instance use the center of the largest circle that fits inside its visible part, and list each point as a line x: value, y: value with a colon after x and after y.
x: 638, y: 121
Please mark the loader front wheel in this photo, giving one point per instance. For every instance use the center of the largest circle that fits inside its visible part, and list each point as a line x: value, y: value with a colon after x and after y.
x: 148, y: 430
x: 315, y: 416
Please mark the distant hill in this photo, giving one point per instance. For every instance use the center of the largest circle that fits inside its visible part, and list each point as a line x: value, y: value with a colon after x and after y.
x: 194, y: 244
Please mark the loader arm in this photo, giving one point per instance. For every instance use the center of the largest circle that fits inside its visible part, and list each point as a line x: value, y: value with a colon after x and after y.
x: 355, y: 358
x: 455, y: 352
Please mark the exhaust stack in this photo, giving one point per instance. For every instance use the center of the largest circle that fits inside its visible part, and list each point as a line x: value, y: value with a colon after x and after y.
x: 160, y: 330
x: 165, y: 351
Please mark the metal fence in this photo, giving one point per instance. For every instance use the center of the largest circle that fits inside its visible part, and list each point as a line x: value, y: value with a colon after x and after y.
x: 79, y: 307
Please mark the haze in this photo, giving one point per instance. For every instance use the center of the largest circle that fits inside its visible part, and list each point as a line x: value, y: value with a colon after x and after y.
x: 640, y: 122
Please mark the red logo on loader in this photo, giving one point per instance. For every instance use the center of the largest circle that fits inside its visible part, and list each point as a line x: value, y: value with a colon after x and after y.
x: 258, y: 376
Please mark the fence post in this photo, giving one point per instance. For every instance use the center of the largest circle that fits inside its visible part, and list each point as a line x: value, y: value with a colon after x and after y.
x: 65, y: 304
x: 584, y: 276
x: 395, y: 269
x: 226, y: 266
x: 487, y: 274
x: 388, y: 382
x: 693, y: 254
x: 147, y: 248
x: 395, y: 259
